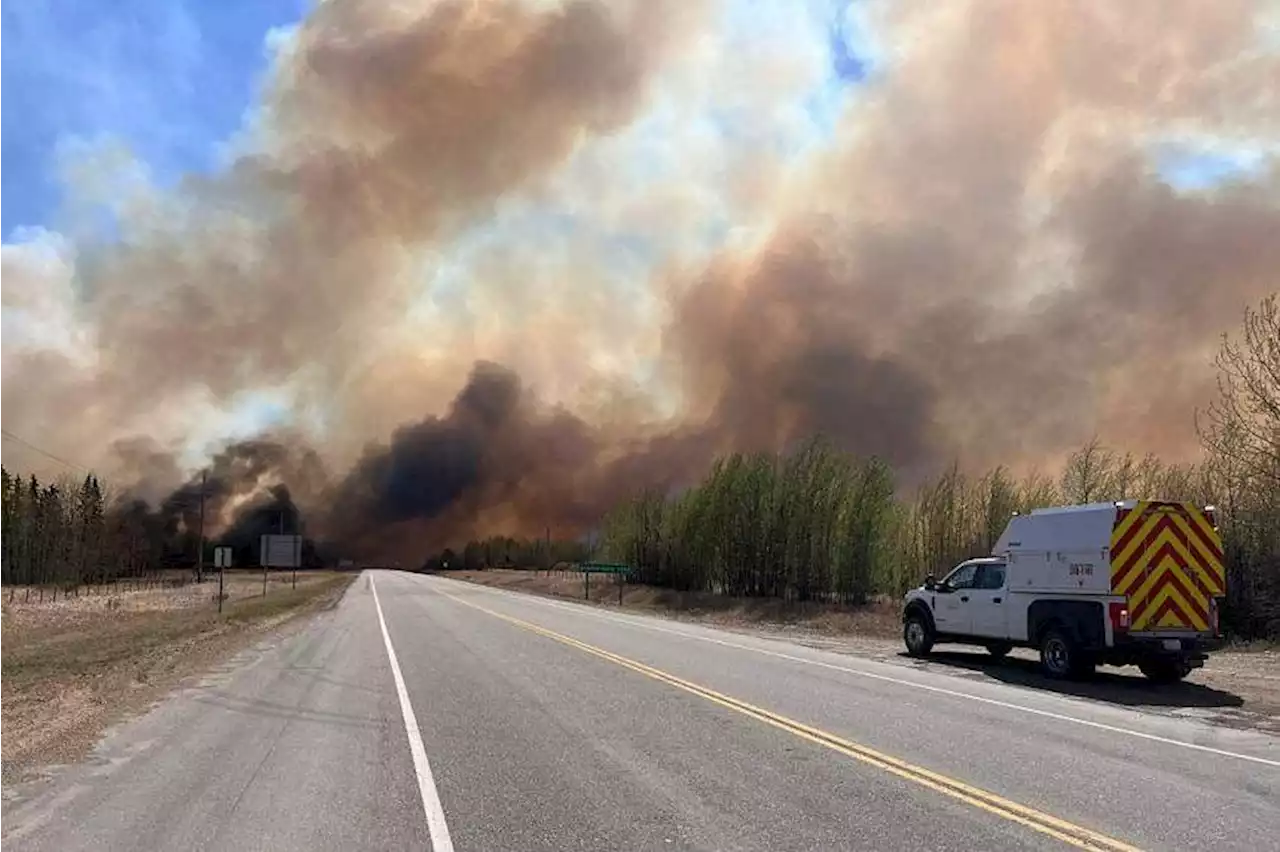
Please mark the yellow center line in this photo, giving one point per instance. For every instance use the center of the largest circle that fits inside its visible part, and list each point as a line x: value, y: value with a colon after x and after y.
x: 1067, y: 832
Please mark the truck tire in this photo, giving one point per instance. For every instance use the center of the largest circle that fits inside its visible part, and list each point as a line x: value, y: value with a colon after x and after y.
x: 1164, y: 671
x: 1061, y: 658
x: 999, y: 649
x: 918, y: 634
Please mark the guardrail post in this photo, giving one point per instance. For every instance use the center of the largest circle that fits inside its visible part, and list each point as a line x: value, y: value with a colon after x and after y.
x: 586, y: 585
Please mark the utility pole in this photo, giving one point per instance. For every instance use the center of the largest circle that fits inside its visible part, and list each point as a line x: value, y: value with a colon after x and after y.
x: 204, y: 478
x: 265, y: 556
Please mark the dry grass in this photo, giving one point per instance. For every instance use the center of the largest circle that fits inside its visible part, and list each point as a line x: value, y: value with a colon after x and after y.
x: 73, y: 667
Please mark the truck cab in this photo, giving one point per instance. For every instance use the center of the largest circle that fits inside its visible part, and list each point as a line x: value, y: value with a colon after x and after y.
x: 1126, y: 583
x: 968, y: 605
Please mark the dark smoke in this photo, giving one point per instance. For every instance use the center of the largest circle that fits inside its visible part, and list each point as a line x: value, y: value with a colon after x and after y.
x: 248, y: 488
x: 272, y: 514
x: 429, y: 466
x: 495, y: 457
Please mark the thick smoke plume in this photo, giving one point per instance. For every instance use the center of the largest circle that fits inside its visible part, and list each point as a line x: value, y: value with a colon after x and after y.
x: 496, y: 460
x: 381, y: 130
x: 492, y: 451
x: 980, y: 261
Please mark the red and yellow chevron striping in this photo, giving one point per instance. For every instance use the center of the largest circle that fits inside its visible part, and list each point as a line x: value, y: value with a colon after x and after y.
x: 1166, y: 559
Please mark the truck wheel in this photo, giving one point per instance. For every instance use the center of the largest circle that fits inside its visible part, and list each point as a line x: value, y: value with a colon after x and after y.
x: 1164, y: 671
x: 918, y: 634
x: 1057, y: 653
x: 1061, y: 658
x: 999, y: 649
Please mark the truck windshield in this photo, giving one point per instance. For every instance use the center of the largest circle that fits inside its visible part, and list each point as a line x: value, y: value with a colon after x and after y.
x: 963, y: 577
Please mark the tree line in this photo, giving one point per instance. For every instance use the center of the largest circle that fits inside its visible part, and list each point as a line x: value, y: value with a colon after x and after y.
x: 820, y: 524
x: 65, y: 533
x: 509, y: 552
x: 30, y: 511
x: 74, y: 532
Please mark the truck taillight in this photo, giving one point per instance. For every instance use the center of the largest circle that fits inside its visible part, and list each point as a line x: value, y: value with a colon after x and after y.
x: 1119, y: 613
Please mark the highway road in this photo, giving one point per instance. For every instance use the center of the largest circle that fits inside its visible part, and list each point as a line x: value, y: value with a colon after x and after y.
x: 425, y: 713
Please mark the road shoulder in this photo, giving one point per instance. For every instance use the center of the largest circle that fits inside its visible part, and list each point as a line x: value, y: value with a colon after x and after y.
x: 74, y: 669
x: 1238, y: 687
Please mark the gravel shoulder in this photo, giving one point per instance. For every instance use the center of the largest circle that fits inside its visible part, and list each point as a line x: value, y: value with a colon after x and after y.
x: 1238, y: 687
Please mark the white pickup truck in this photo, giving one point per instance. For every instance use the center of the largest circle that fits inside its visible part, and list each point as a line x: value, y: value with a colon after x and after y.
x: 1126, y: 583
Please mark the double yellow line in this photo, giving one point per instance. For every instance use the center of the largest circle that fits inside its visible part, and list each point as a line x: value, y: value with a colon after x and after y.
x: 1069, y: 833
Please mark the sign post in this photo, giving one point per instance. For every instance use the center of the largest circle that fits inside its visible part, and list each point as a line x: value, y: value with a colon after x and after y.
x: 618, y: 569
x: 280, y: 551
x: 221, y: 561
x: 204, y: 479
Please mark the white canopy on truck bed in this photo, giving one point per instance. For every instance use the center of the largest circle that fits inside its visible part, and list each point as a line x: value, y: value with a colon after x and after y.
x: 1060, y: 549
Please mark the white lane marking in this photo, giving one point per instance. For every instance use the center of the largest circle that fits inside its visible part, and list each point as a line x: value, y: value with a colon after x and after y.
x: 439, y: 830
x: 1049, y: 714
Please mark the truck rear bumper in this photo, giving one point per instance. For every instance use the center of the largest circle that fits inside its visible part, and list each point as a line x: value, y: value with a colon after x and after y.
x: 1193, y: 650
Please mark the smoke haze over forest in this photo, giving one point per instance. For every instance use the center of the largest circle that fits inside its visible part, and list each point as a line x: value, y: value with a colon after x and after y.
x: 499, y: 264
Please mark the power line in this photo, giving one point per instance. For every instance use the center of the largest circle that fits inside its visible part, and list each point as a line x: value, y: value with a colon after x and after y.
x: 44, y: 453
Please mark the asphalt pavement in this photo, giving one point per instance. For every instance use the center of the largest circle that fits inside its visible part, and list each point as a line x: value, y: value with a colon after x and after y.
x: 426, y: 713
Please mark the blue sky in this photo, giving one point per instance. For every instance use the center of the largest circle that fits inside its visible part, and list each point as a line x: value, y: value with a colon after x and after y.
x: 1190, y: 167
x: 170, y: 79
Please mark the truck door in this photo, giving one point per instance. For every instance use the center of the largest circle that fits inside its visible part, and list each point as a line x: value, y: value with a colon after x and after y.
x: 987, y: 601
x: 951, y: 612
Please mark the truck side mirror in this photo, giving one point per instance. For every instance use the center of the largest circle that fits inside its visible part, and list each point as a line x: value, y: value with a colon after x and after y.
x: 930, y: 583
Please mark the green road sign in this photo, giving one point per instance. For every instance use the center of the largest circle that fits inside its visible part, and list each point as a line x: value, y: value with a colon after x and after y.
x: 604, y: 568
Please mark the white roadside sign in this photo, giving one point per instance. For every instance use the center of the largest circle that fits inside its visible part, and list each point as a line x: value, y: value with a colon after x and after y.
x: 280, y: 551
